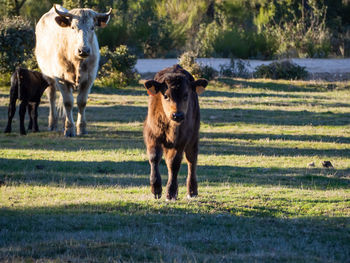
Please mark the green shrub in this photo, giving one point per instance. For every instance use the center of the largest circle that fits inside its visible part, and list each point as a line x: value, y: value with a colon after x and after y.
x: 304, y: 37
x: 117, y: 68
x: 281, y: 70
x: 16, y: 42
x: 236, y: 69
x: 188, y: 61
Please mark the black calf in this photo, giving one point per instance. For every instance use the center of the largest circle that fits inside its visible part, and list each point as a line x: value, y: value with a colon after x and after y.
x: 27, y: 86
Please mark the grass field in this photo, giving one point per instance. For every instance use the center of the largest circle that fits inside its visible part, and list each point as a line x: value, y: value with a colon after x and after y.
x: 87, y: 199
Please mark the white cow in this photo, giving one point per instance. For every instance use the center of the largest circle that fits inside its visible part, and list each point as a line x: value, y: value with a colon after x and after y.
x: 67, y: 52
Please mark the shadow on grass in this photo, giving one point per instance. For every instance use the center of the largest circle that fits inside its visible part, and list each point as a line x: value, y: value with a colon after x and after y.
x: 98, y: 140
x: 287, y: 137
x: 273, y: 86
x: 135, y: 173
x: 128, y: 113
x: 163, y: 232
x: 238, y: 94
x: 229, y: 148
x: 136, y: 90
x: 274, y: 117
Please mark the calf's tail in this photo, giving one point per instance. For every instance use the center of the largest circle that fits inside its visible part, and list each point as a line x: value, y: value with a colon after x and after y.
x: 15, y: 85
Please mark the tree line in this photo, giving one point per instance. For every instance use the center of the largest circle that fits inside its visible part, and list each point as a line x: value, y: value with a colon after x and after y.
x: 262, y: 29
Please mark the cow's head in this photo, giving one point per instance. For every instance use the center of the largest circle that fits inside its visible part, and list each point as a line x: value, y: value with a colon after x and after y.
x: 81, y: 24
x: 176, y: 92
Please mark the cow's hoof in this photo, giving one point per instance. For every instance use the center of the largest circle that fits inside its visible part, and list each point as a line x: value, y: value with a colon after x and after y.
x: 7, y: 130
x: 23, y: 133
x: 53, y: 124
x: 191, y: 196
x: 171, y: 197
x: 157, y: 191
x: 81, y: 131
x: 52, y: 128
x: 69, y: 132
x: 157, y: 196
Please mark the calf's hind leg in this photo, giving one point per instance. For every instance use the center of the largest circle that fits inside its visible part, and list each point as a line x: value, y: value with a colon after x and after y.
x: 22, y: 114
x: 11, y: 112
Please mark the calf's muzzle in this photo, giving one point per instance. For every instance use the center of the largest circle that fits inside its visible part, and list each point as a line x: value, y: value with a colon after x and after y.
x: 178, y: 116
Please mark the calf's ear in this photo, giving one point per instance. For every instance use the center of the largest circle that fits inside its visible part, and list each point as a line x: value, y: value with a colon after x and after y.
x: 153, y: 87
x: 199, y: 85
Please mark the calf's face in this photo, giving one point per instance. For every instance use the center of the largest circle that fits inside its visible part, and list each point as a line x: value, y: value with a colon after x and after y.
x: 176, y: 93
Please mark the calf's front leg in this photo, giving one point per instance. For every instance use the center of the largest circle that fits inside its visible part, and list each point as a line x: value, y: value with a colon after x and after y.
x: 30, y: 114
x: 173, y: 159
x: 191, y: 153
x: 34, y: 116
x: 154, y: 153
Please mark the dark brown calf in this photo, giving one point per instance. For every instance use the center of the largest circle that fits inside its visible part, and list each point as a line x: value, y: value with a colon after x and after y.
x: 172, y: 127
x: 27, y: 86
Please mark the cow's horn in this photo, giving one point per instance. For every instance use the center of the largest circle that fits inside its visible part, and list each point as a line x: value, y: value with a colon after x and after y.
x: 62, y: 13
x: 103, y: 14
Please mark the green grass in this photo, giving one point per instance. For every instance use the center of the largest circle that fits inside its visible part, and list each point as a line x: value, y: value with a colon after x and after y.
x: 87, y: 199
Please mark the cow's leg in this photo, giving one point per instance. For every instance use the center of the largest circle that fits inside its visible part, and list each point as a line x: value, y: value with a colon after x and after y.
x: 82, y: 97
x: 68, y: 101
x: 35, y: 116
x: 22, y: 114
x: 154, y: 153
x: 11, y: 110
x: 191, y: 153
x: 173, y: 159
x: 30, y: 114
x: 53, y: 120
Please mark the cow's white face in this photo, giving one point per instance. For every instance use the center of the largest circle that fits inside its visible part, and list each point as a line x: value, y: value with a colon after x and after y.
x: 82, y: 35
x: 81, y: 24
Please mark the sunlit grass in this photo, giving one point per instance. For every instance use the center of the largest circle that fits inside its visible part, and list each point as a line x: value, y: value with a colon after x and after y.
x: 87, y: 198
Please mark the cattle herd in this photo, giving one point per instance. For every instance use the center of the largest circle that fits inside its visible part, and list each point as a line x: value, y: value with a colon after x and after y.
x: 67, y: 53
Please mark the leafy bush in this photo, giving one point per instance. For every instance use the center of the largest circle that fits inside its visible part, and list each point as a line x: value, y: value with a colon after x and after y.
x: 117, y: 68
x: 304, y: 37
x: 235, y: 69
x: 188, y: 61
x: 16, y: 42
x: 281, y: 70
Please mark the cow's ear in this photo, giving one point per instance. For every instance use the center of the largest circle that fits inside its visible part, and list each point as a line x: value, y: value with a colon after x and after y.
x: 102, y: 19
x: 63, y: 21
x: 199, y: 85
x: 153, y: 87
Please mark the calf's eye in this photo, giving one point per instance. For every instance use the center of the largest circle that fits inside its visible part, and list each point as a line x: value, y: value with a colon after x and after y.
x: 185, y: 97
x: 166, y: 97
